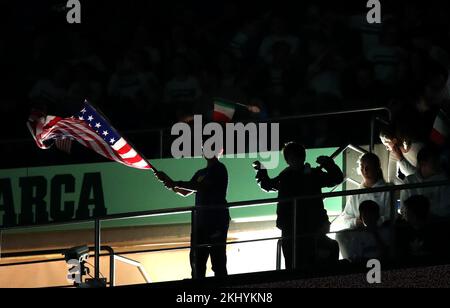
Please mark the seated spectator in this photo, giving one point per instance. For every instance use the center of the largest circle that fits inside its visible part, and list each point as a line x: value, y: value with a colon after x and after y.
x: 50, y: 93
x: 369, y: 240
x: 402, y: 155
x: 280, y: 78
x: 388, y: 55
x: 278, y: 33
x: 183, y: 91
x: 416, y: 236
x: 132, y: 78
x: 324, y: 70
x: 429, y: 169
x: 372, y: 174
x: 83, y: 86
x: 228, y: 83
x: 362, y: 90
x: 135, y: 84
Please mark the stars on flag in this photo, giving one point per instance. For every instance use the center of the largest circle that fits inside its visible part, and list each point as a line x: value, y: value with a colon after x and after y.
x: 90, y: 118
x: 97, y: 125
x: 105, y: 133
x: 112, y: 140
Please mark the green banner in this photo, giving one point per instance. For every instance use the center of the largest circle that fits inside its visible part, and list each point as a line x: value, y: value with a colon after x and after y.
x: 69, y: 192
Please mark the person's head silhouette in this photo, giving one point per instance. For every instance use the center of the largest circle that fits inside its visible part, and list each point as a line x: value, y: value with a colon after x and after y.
x: 294, y: 154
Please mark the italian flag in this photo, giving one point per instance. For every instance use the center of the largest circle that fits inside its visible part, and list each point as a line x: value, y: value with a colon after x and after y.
x: 440, y: 128
x: 223, y: 111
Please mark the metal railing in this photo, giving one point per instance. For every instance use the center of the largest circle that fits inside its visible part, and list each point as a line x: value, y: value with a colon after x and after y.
x: 241, y: 204
x: 161, y: 131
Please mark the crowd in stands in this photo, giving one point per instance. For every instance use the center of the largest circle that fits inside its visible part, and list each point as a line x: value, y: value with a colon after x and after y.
x: 149, y: 64
x: 417, y: 226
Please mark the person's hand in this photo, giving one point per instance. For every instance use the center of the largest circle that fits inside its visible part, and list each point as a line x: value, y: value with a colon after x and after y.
x: 397, y: 153
x: 324, y: 160
x: 161, y: 176
x: 359, y: 223
x: 254, y: 109
x: 169, y: 184
x: 257, y: 165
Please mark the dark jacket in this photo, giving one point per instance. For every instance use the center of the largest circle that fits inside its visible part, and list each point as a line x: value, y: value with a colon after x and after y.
x: 211, y: 196
x: 311, y: 214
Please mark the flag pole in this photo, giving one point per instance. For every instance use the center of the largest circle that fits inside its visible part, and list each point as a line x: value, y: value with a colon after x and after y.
x: 231, y: 102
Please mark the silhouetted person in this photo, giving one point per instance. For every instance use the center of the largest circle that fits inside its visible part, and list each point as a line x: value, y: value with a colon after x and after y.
x: 369, y: 240
x: 429, y: 169
x: 417, y: 237
x: 210, y: 226
x: 299, y: 179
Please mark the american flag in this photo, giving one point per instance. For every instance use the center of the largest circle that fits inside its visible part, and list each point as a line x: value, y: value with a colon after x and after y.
x: 89, y: 128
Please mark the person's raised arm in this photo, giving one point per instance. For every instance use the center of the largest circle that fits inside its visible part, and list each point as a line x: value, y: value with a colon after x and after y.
x: 333, y: 175
x: 171, y: 184
x: 262, y: 178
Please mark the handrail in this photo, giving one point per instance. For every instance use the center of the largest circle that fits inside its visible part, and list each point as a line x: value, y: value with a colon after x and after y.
x: 333, y: 113
x: 286, y: 118
x: 234, y: 205
x: 230, y: 205
x: 237, y: 204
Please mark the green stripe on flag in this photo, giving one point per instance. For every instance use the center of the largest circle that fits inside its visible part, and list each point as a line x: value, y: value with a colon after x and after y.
x: 224, y: 104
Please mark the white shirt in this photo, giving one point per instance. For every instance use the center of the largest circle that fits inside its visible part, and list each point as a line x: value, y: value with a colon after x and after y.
x: 439, y: 196
x: 407, y: 165
x: 357, y: 245
x: 351, y: 211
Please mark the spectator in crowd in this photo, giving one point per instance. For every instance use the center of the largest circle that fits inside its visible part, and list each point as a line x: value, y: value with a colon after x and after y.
x: 387, y: 56
x: 311, y: 218
x: 323, y: 74
x: 136, y: 85
x: 278, y: 33
x: 183, y: 91
x: 370, y: 169
x: 293, y: 65
x: 50, y: 93
x: 429, y: 169
x: 402, y: 154
x: 369, y: 240
x: 416, y: 235
x: 363, y: 90
x: 83, y: 86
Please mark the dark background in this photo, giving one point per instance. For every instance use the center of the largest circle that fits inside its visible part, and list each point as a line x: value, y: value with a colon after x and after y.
x: 149, y: 64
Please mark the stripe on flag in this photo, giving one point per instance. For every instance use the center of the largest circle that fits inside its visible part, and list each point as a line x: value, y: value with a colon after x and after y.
x: 223, y: 111
x: 439, y: 133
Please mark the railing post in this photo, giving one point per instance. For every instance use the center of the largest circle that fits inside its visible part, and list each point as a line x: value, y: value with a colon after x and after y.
x: 194, y: 243
x: 278, y: 261
x: 294, y: 237
x: 97, y: 249
x: 393, y: 214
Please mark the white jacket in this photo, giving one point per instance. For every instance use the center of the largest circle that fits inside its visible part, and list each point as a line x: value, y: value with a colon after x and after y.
x: 439, y: 196
x: 407, y: 165
x: 351, y: 211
